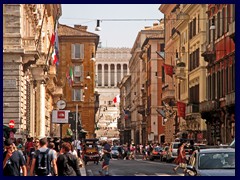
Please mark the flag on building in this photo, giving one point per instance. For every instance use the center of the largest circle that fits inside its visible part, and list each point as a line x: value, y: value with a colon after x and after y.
x: 181, y: 109
x: 168, y: 69
x: 52, y: 39
x: 68, y: 78
x: 161, y: 112
x: 126, y: 114
x: 116, y: 99
x: 71, y: 74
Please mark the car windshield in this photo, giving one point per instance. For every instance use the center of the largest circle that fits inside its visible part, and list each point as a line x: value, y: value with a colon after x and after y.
x: 175, y: 146
x: 158, y: 149
x: 217, y: 160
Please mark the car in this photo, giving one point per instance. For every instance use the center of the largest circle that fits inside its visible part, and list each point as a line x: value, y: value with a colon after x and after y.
x: 90, y: 151
x: 172, y: 152
x: 163, y: 154
x: 115, y: 152
x: 212, y: 162
x: 155, y: 154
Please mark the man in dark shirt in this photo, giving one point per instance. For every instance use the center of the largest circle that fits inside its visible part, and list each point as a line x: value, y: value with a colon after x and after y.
x: 106, y: 158
x: 13, y: 161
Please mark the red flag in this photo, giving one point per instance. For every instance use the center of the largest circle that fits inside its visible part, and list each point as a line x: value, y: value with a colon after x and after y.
x: 116, y: 99
x: 181, y: 109
x: 168, y: 69
x: 52, y: 39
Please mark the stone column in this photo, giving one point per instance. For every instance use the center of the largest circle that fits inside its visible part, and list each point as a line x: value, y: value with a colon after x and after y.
x: 121, y: 70
x: 103, y: 75
x: 32, y: 111
x: 115, y: 75
x: 42, y: 127
x: 109, y: 75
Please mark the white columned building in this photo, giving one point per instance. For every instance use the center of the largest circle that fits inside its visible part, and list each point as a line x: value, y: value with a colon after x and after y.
x: 108, y: 113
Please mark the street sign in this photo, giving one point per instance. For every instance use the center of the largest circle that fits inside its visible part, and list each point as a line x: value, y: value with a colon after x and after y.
x: 11, y: 124
x: 60, y: 116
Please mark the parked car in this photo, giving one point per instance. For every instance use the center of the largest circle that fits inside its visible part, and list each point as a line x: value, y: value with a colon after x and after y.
x: 172, y: 151
x: 232, y: 145
x: 212, y: 162
x: 163, y: 154
x: 115, y: 152
x: 155, y: 154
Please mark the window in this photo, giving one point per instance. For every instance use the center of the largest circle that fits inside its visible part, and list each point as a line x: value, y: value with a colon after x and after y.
x: 78, y: 73
x: 77, y: 94
x: 218, y: 25
x: 223, y: 21
x: 77, y: 51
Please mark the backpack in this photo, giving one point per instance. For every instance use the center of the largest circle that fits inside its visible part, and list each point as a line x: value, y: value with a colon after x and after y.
x: 43, y: 164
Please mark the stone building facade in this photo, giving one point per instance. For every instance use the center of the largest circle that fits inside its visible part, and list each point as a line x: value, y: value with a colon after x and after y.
x: 27, y: 71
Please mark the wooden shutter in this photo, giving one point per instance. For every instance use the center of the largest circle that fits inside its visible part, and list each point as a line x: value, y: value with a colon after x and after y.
x: 81, y: 51
x: 73, y: 51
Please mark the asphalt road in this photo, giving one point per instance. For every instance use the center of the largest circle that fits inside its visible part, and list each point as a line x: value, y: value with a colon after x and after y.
x: 136, y: 167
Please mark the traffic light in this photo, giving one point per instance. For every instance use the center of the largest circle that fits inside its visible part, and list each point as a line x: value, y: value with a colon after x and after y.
x: 72, y: 121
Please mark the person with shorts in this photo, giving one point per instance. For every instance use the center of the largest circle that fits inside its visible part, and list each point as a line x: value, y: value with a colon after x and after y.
x: 106, y: 159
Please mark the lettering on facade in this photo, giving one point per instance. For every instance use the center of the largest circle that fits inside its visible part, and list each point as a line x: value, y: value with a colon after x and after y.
x: 9, y: 84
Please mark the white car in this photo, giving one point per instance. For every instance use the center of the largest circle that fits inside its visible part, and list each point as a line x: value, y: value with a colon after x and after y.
x: 212, y: 162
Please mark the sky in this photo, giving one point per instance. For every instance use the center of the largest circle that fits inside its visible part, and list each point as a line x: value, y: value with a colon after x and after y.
x: 114, y: 33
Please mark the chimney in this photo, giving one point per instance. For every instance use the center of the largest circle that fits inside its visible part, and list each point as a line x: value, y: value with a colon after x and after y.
x: 80, y: 27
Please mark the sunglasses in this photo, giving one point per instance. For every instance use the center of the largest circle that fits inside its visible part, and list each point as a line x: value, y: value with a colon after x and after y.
x: 36, y: 142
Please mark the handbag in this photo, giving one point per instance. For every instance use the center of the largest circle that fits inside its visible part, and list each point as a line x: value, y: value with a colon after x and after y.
x: 183, y: 165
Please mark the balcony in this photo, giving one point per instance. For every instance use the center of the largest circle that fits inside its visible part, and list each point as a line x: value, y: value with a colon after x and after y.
x: 180, y: 73
x: 28, y: 43
x: 192, y: 108
x: 168, y: 94
x: 208, y: 106
x: 230, y: 99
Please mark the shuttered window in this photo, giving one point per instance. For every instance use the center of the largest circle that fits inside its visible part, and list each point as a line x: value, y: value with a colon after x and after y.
x: 77, y: 94
x: 78, y: 73
x: 77, y: 51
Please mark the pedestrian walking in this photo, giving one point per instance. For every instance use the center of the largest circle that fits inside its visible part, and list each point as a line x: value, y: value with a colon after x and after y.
x: 42, y: 160
x: 13, y: 161
x: 67, y: 163
x: 106, y: 159
x: 181, y: 159
x: 31, y: 154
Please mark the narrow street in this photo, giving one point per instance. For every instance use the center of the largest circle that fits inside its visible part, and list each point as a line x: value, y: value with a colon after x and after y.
x: 136, y: 167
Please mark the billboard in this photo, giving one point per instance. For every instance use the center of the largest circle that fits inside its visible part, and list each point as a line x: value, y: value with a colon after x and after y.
x: 60, y: 116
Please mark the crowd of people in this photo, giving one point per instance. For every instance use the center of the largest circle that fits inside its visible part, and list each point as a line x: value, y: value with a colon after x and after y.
x: 41, y: 157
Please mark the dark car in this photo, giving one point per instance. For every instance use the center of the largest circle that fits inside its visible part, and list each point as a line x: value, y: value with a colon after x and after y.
x: 212, y: 162
x: 156, y: 153
x: 90, y: 151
